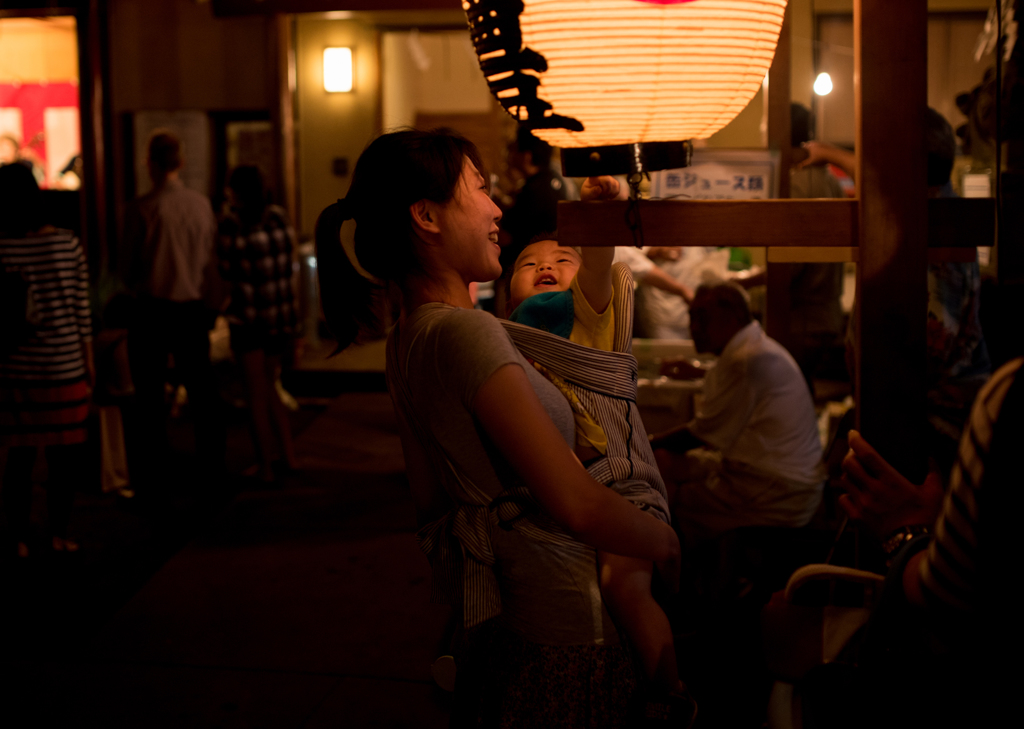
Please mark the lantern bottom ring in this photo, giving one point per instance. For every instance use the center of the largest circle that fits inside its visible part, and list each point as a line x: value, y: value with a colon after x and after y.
x: 626, y: 159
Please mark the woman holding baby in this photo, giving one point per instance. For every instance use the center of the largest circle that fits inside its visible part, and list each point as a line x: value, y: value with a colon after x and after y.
x: 512, y: 519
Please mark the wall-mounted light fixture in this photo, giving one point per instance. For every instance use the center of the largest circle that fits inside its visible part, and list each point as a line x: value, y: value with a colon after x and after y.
x: 337, y: 69
x: 823, y: 84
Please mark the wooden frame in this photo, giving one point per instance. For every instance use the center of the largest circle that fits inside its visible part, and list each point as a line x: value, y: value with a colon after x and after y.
x: 888, y: 229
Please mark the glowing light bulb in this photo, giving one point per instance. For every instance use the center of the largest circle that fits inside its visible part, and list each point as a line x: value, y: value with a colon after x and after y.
x: 337, y: 69
x: 823, y: 84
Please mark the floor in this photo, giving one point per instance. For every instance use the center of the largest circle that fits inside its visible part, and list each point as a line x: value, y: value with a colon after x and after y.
x: 305, y: 605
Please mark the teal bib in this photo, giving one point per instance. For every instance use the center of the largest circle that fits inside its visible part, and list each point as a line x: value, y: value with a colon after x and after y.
x: 549, y: 312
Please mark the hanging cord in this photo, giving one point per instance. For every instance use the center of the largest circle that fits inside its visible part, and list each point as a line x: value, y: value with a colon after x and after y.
x: 633, y: 221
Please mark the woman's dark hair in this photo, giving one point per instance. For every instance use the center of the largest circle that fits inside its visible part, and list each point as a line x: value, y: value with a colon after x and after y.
x: 21, y: 201
x: 246, y: 182
x: 395, y: 171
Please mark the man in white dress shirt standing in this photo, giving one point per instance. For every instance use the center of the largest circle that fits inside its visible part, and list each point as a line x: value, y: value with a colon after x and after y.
x: 170, y: 234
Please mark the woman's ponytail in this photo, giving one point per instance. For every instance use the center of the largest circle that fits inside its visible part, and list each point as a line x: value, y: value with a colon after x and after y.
x: 350, y: 301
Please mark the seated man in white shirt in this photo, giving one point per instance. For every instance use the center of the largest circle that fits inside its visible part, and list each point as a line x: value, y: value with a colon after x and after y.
x: 751, y: 456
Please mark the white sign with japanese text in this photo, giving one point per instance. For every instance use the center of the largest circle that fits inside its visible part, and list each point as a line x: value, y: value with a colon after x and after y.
x: 721, y: 174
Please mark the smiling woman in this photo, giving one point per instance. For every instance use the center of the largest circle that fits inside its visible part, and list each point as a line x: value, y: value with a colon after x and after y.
x: 416, y: 168
x: 510, y: 518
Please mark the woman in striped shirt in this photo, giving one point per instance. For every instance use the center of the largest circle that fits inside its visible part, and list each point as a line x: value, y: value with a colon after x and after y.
x: 46, y: 364
x: 950, y: 615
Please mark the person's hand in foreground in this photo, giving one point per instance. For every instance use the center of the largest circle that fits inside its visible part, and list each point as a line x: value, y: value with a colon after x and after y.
x: 880, y: 497
x: 819, y: 153
x: 602, y: 188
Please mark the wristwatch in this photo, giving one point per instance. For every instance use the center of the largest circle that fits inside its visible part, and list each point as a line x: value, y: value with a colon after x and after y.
x: 901, y: 536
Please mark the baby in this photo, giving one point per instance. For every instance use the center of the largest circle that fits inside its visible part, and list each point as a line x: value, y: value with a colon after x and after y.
x: 569, y: 293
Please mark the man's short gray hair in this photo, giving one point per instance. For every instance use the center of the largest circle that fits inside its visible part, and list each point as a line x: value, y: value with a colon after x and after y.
x: 727, y: 296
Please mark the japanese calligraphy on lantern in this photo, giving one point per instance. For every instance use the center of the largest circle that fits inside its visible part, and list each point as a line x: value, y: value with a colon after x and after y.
x: 593, y: 73
x: 721, y: 174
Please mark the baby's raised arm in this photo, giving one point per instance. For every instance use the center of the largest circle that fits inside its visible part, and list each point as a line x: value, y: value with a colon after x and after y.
x: 595, y: 274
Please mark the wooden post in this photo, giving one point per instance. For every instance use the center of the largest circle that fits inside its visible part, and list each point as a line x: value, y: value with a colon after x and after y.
x: 95, y: 129
x: 890, y: 57
x: 779, y: 276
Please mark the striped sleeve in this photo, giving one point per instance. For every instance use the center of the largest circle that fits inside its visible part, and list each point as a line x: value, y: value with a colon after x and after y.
x: 55, y: 269
x: 83, y: 309
x: 949, y: 570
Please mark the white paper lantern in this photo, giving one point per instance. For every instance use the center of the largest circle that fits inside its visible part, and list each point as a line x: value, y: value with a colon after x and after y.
x: 595, y: 73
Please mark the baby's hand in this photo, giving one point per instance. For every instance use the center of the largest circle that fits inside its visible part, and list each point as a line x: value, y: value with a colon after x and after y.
x: 600, y: 188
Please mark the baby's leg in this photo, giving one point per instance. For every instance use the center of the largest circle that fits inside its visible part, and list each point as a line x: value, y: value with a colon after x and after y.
x: 626, y: 587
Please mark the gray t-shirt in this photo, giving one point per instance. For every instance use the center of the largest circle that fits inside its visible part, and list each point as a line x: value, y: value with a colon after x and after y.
x: 449, y: 353
x: 549, y: 593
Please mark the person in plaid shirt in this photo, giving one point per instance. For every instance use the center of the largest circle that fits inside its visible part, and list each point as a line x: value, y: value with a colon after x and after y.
x: 255, y: 244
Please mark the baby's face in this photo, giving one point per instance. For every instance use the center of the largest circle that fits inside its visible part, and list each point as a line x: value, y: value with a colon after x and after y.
x: 542, y: 266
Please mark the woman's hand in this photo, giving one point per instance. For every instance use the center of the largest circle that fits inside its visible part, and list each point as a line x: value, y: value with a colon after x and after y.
x: 819, y: 153
x: 880, y: 497
x: 602, y: 188
x: 815, y: 153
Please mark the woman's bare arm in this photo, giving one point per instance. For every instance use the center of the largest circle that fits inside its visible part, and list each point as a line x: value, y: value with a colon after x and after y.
x: 820, y: 153
x: 513, y: 416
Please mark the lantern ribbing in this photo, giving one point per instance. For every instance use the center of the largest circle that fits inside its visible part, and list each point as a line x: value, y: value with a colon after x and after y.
x: 631, y: 71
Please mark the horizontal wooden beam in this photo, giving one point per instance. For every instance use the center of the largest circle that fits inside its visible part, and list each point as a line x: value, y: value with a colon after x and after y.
x: 834, y: 254
x: 952, y: 223
x: 811, y: 254
x: 711, y: 223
